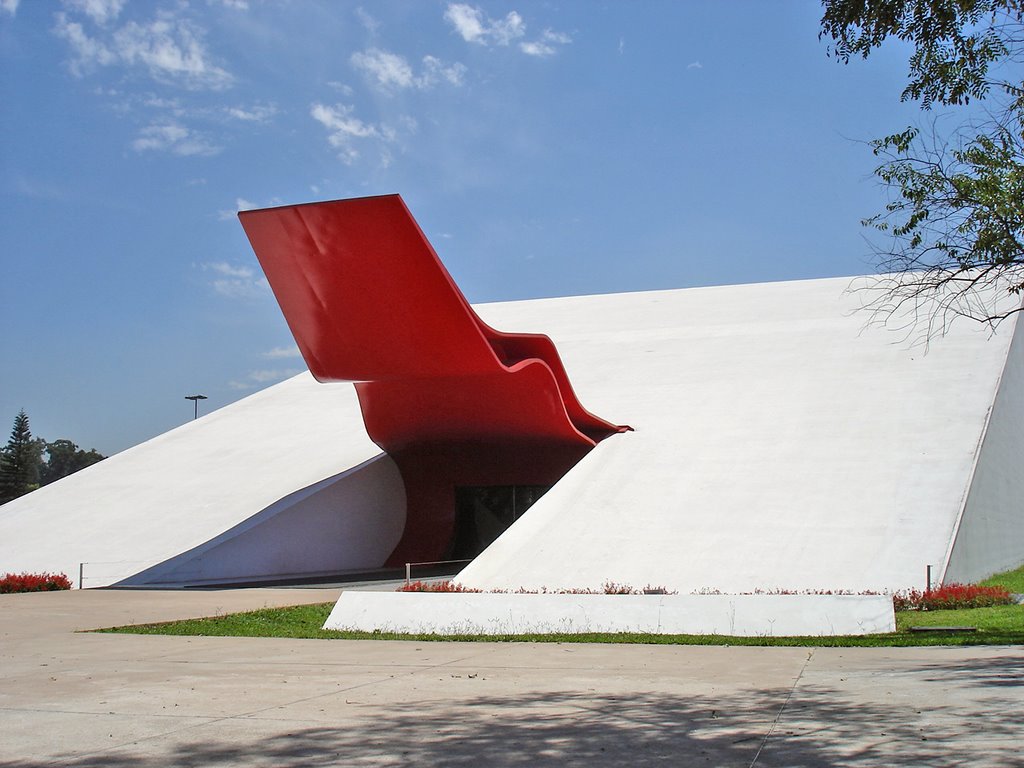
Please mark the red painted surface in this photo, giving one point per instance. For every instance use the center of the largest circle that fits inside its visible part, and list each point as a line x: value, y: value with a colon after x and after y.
x: 454, y: 401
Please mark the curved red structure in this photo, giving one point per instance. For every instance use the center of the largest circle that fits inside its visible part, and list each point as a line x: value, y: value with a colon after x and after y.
x: 454, y: 401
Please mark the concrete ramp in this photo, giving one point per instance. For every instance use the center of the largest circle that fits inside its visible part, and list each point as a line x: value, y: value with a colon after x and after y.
x: 284, y: 483
x: 779, y: 445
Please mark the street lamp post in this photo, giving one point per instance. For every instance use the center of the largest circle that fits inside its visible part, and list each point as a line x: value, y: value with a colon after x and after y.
x: 195, y: 401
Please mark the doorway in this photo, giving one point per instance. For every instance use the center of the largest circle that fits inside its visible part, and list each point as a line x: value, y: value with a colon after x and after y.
x: 484, y: 512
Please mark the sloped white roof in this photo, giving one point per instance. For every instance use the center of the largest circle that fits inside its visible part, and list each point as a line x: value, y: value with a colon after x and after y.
x: 183, y: 488
x: 779, y: 443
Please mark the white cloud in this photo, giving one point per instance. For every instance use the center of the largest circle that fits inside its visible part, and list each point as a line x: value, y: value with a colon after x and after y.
x: 339, y: 120
x: 255, y: 114
x: 88, y: 51
x: 345, y: 130
x: 176, y: 110
x: 344, y: 89
x: 390, y: 70
x: 274, y: 374
x: 173, y: 137
x: 281, y: 353
x: 545, y: 46
x: 170, y: 49
x: 9, y: 6
x: 370, y: 23
x: 223, y: 268
x: 475, y: 27
x: 235, y: 5
x: 264, y: 376
x: 157, y: 102
x: 241, y: 204
x: 435, y: 70
x: 236, y: 282
x: 100, y: 11
x: 467, y: 20
x: 695, y: 65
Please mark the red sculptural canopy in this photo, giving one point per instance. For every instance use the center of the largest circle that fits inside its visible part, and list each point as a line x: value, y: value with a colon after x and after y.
x: 368, y: 301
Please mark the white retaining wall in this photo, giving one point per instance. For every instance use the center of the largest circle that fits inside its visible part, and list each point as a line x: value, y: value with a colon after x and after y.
x: 499, y: 614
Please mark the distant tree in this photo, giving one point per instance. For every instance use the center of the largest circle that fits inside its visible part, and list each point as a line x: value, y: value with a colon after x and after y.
x: 65, y: 458
x: 19, y: 461
x: 954, y: 226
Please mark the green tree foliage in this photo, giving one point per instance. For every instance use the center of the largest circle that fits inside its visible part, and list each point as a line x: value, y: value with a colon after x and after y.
x: 22, y: 468
x: 954, y: 226
x: 65, y: 458
x: 19, y: 462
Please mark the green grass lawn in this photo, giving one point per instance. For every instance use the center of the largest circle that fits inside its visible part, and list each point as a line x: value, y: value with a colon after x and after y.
x: 1012, y: 580
x: 999, y: 625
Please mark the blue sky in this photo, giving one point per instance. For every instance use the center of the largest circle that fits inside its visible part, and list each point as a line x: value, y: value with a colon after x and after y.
x: 546, y: 148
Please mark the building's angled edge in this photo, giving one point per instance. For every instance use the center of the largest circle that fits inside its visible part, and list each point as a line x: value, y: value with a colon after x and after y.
x: 990, y: 533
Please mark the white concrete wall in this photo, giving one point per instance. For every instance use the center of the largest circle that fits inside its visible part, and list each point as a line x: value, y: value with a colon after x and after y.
x: 778, y: 443
x: 185, y: 488
x: 990, y: 536
x: 499, y: 614
x: 346, y: 523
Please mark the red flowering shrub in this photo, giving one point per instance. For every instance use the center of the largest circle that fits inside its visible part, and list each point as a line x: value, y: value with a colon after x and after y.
x: 608, y: 588
x: 951, y: 596
x: 435, y: 586
x: 33, y: 582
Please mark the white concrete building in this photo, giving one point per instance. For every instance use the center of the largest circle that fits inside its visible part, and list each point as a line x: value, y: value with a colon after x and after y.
x: 778, y: 443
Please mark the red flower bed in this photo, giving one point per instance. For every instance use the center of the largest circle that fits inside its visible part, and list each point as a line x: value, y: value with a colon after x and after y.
x: 33, y: 582
x: 435, y: 586
x: 951, y: 596
x: 609, y: 588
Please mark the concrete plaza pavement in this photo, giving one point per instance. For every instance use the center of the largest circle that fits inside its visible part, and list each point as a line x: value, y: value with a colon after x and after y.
x: 77, y: 699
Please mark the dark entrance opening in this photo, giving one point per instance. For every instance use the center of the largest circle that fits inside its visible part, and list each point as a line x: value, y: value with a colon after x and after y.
x: 484, y: 512
x: 461, y: 495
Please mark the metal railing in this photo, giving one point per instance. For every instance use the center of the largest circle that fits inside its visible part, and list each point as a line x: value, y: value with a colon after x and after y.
x: 409, y: 566
x: 118, y: 574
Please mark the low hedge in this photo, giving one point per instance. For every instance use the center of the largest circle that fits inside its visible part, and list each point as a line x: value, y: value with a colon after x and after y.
x: 951, y: 597
x: 33, y: 582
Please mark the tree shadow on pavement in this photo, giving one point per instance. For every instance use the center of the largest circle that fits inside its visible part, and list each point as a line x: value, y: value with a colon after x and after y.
x: 821, y: 726
x: 986, y: 672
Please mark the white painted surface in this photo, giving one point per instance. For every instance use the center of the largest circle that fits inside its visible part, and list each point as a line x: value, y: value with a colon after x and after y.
x: 497, y: 614
x: 778, y: 443
x: 990, y: 538
x: 346, y: 523
x: 187, y: 487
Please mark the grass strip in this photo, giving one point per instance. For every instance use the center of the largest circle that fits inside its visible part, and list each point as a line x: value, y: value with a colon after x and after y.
x: 1012, y: 580
x: 998, y: 625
